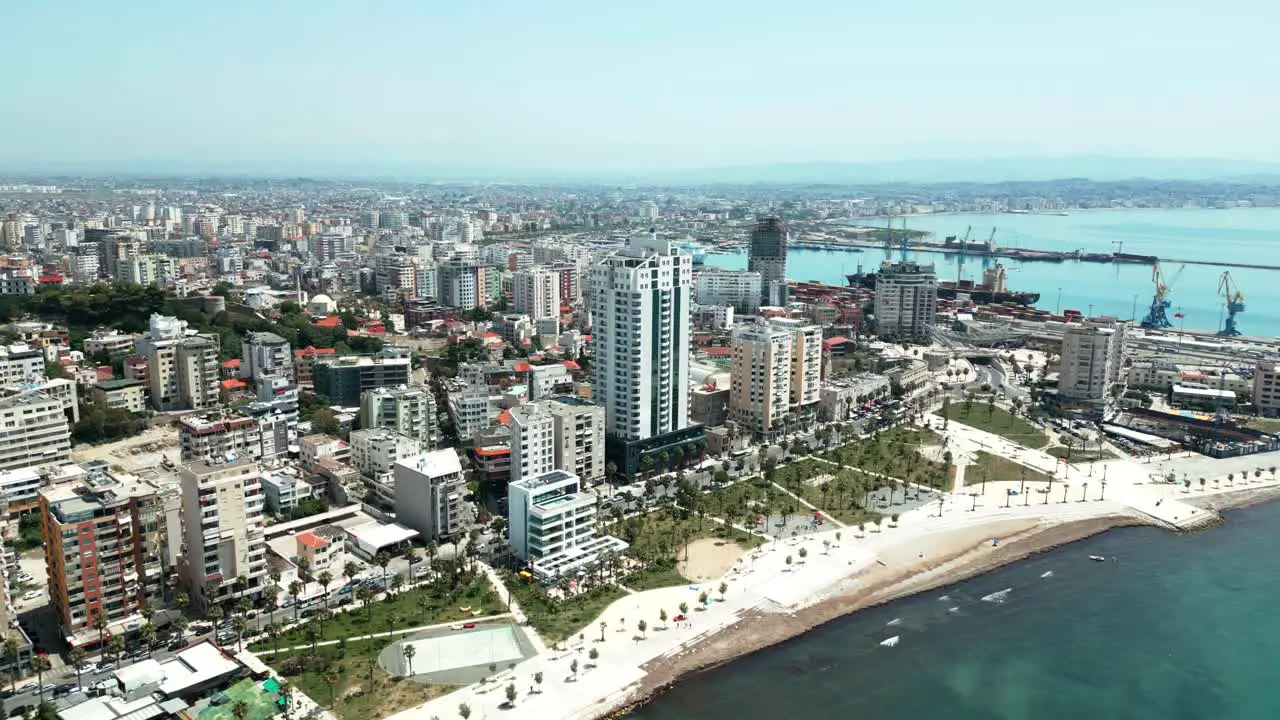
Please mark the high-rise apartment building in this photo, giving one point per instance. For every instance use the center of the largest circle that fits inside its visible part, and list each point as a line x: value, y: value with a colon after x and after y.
x: 407, y: 410
x: 641, y: 299
x: 906, y: 301
x: 552, y: 521
x: 537, y: 292
x: 1092, y: 366
x: 226, y: 553
x: 532, y: 441
x: 20, y: 365
x: 775, y: 376
x: 375, y: 452
x: 182, y: 370
x: 36, y: 432
x: 429, y: 491
x: 578, y: 431
x: 343, y: 378
x: 767, y: 255
x: 147, y: 269
x: 110, y: 544
x: 263, y: 354
x: 218, y: 437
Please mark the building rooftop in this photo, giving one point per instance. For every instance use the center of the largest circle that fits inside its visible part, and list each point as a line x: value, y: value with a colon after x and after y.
x: 119, y: 384
x: 378, y: 535
x: 545, y: 479
x: 436, y: 463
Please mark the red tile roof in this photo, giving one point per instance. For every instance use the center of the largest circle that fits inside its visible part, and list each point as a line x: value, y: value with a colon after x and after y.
x: 234, y: 384
x: 522, y: 367
x: 832, y: 342
x: 493, y: 451
x: 310, y: 350
x: 718, y: 351
x: 571, y: 365
x: 231, y: 363
x: 332, y: 321
x: 312, y: 540
x: 504, y: 417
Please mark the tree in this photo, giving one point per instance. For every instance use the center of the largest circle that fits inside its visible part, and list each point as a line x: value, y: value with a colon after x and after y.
x: 325, y: 579
x: 115, y: 646
x: 662, y: 617
x: 11, y: 656
x: 239, y: 623
x: 330, y: 678
x: 788, y: 561
x: 100, y: 624
x: 803, y: 553
x: 642, y: 626
x: 397, y: 583
x: 1202, y: 484
x: 511, y: 694
x: 537, y: 680
x: 78, y: 656
x: 594, y: 655
x: 684, y: 608
x: 350, y: 570
x: 295, y: 589
x: 40, y: 665
x: 409, y: 652
x: 573, y: 667
x: 240, y: 710
x: 383, y: 559
x: 148, y: 636
x: 724, y: 588
x: 464, y: 710
x: 603, y: 625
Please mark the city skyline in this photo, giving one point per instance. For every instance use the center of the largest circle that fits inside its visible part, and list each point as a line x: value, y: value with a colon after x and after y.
x: 511, y: 90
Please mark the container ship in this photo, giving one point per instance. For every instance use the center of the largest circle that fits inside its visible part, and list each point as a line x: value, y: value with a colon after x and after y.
x: 991, y: 290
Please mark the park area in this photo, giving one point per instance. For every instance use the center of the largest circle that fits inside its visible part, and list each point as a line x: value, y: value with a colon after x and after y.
x: 347, y: 679
x: 995, y: 420
x: 993, y: 468
x: 555, y: 614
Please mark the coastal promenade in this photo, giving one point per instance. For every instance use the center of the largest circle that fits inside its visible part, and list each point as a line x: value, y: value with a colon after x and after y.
x: 934, y: 544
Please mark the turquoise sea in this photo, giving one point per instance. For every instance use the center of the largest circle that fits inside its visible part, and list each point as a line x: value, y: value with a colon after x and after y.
x: 1180, y: 626
x: 1249, y: 235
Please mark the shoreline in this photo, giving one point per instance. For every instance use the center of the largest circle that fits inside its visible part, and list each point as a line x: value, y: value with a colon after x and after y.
x: 759, y: 630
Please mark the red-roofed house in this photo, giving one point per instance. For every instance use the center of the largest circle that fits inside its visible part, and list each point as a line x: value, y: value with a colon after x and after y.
x: 320, y: 553
x: 718, y: 352
x: 570, y: 365
x: 838, y: 348
x: 522, y: 367
x: 303, y: 360
x: 231, y: 369
x: 104, y: 372
x: 332, y: 321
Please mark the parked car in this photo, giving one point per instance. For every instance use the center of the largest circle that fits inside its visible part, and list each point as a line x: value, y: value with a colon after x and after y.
x: 107, y: 666
x: 32, y: 595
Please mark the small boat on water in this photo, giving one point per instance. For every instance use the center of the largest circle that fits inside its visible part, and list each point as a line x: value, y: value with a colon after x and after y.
x: 1097, y: 558
x: 891, y: 642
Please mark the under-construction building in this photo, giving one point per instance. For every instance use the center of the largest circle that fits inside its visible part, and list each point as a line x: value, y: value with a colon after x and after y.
x: 768, y: 256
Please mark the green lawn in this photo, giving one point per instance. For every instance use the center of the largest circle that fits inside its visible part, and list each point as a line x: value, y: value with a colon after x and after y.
x: 731, y: 503
x: 353, y: 667
x: 1266, y: 425
x: 997, y: 421
x: 558, y: 619
x: 1079, y: 456
x: 653, y: 578
x: 441, y: 605
x: 998, y: 468
x: 894, y: 452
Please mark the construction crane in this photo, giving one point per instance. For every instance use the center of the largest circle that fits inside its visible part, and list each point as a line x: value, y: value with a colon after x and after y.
x: 1157, y: 317
x: 1234, y: 301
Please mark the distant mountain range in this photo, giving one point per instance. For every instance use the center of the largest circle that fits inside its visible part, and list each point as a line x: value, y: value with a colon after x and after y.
x: 1014, y: 169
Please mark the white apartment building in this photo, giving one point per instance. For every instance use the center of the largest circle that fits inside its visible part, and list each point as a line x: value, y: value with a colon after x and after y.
x: 149, y: 269
x: 407, y: 410
x: 19, y: 490
x: 532, y: 441
x: 429, y: 490
x: 109, y: 340
x: 578, y: 427
x: 739, y: 289
x: 182, y: 368
x: 21, y: 365
x: 375, y: 452
x: 216, y: 437
x: 806, y: 361
x: 36, y: 431
x: 1092, y: 361
x: 906, y: 300
x: 640, y: 300
x: 314, y: 448
x: 282, y: 490
x: 222, y: 508
x: 264, y: 353
x: 552, y: 521
x: 537, y: 292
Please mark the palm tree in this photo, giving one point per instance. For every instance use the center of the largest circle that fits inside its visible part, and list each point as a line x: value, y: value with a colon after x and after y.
x: 148, y: 636
x: 273, y: 633
x: 330, y: 678
x: 240, y: 710
x: 325, y: 579
x: 365, y: 596
x: 312, y: 634
x: 662, y: 617
x: 217, y: 613
x: 78, y: 656
x: 383, y: 559
x: 181, y: 599
x: 397, y: 583
x: 100, y: 624
x: 350, y: 570
x: 393, y: 619
x: 295, y: 589
x: 11, y: 655
x: 1201, y: 484
x: 40, y: 664
x: 239, y: 624
x: 573, y: 668
x: 115, y: 646
x: 642, y: 626
x: 511, y: 694
x: 409, y: 652
x: 304, y: 569
x: 603, y: 625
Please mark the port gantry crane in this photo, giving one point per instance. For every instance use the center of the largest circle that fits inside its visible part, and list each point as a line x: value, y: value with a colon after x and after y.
x: 1157, y: 317
x: 1234, y: 299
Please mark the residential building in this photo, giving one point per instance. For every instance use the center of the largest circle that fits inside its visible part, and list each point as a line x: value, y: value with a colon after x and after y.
x: 410, y: 411
x: 343, y: 378
x: 182, y: 369
x: 217, y: 437
x: 537, y: 292
x: 470, y: 410
x: 840, y: 399
x: 110, y: 341
x: 321, y: 554
x: 760, y: 378
x: 147, y: 269
x: 640, y: 302
x: 303, y: 361
x: 738, y: 289
x: 19, y: 491
x: 111, y: 542
x: 906, y: 300
x: 21, y: 364
x: 1092, y: 368
x: 532, y: 441
x: 36, y: 431
x: 767, y: 255
x: 264, y: 353
x: 375, y: 451
x: 130, y: 395
x: 552, y: 523
x: 314, y: 448
x: 429, y: 490
x: 222, y: 509
x: 282, y: 489
x: 1266, y: 387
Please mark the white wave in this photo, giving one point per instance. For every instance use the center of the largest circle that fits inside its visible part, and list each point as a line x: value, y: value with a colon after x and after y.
x: 954, y: 610
x: 944, y: 598
x: 997, y: 597
x: 1048, y: 574
x: 891, y: 641
x: 895, y: 621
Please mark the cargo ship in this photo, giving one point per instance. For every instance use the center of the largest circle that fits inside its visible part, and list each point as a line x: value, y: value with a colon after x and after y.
x: 991, y: 290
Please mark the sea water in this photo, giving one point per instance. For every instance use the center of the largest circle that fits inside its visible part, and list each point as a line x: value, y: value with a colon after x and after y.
x: 1243, y: 235
x: 1171, y: 626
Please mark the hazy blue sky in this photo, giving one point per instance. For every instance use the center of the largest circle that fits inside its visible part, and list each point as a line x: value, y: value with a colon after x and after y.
x: 654, y: 84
